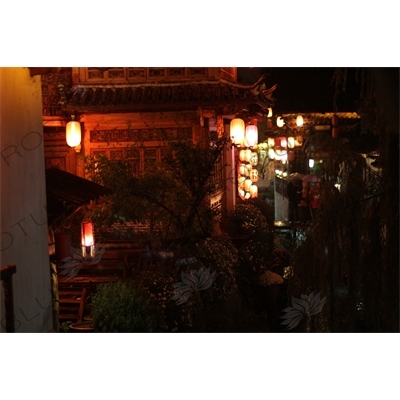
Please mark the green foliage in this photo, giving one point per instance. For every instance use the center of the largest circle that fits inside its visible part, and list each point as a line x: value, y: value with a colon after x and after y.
x: 257, y: 249
x: 170, y: 194
x: 122, y: 307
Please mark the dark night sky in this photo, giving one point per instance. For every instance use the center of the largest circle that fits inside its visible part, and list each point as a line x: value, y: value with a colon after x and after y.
x: 305, y: 89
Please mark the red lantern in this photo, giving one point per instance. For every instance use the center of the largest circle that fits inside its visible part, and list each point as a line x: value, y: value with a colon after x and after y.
x: 87, y: 237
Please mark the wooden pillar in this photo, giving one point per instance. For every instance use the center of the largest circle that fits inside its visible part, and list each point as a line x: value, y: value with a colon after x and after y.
x: 6, y: 276
x: 230, y: 174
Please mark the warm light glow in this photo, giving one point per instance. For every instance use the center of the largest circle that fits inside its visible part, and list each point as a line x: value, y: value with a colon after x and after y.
x: 269, y: 112
x: 280, y: 122
x: 283, y: 142
x: 251, y: 136
x: 244, y: 155
x: 253, y: 159
x: 310, y: 162
x: 253, y: 191
x: 299, y: 121
x: 237, y: 131
x: 291, y: 156
x: 247, y: 184
x: 271, y: 142
x: 271, y: 154
x: 290, y: 142
x: 254, y: 175
x: 243, y: 170
x: 87, y: 234
x: 73, y: 133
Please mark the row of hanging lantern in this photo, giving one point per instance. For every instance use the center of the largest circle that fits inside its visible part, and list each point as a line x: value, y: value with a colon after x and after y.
x: 282, y: 148
x: 246, y: 139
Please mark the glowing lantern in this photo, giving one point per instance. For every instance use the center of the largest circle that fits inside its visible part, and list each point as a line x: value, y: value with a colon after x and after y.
x: 87, y: 238
x: 73, y: 133
x: 254, y: 175
x: 269, y: 112
x: 284, y: 142
x: 253, y: 159
x: 271, y: 142
x: 290, y: 142
x: 247, y: 184
x: 280, y: 122
x: 251, y: 136
x: 271, y: 154
x: 253, y: 191
x: 237, y: 131
x: 299, y: 121
x: 244, y: 155
x: 310, y: 162
x: 247, y: 195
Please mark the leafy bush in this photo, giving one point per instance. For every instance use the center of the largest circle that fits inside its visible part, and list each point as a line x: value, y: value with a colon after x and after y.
x: 122, y: 307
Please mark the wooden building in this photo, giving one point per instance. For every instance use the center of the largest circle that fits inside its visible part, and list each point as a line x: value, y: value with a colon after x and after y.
x: 124, y: 112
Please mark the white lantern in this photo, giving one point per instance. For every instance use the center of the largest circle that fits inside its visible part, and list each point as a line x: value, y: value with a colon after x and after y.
x: 299, y: 121
x: 253, y: 159
x: 290, y: 142
x: 284, y: 142
x: 271, y: 142
x: 271, y: 154
x: 280, y: 122
x: 269, y: 112
x: 253, y: 191
x: 242, y: 155
x: 251, y: 136
x: 73, y: 133
x: 247, y: 184
x: 310, y: 162
x: 247, y: 195
x: 254, y: 175
x: 237, y: 131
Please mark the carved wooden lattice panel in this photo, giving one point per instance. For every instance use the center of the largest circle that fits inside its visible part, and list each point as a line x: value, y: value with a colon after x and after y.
x: 138, y: 135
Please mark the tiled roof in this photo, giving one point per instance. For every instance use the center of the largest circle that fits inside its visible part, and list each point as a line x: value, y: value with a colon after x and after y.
x: 71, y: 188
x: 167, y: 96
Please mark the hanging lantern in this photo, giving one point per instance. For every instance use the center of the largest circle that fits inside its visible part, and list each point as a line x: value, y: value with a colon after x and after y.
x: 269, y: 112
x: 299, y: 121
x: 253, y: 191
x: 73, y: 133
x: 290, y: 142
x: 271, y: 154
x: 243, y: 155
x: 280, y: 122
x: 87, y: 238
x: 291, y: 156
x: 242, y: 193
x: 271, y: 142
x: 237, y: 131
x: 247, y: 195
x: 251, y: 136
x: 254, y: 175
x: 310, y: 162
x: 247, y: 184
x: 253, y: 159
x: 284, y: 142
x: 241, y: 181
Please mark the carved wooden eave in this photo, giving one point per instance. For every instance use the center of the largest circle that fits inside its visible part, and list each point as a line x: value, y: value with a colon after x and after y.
x: 147, y: 97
